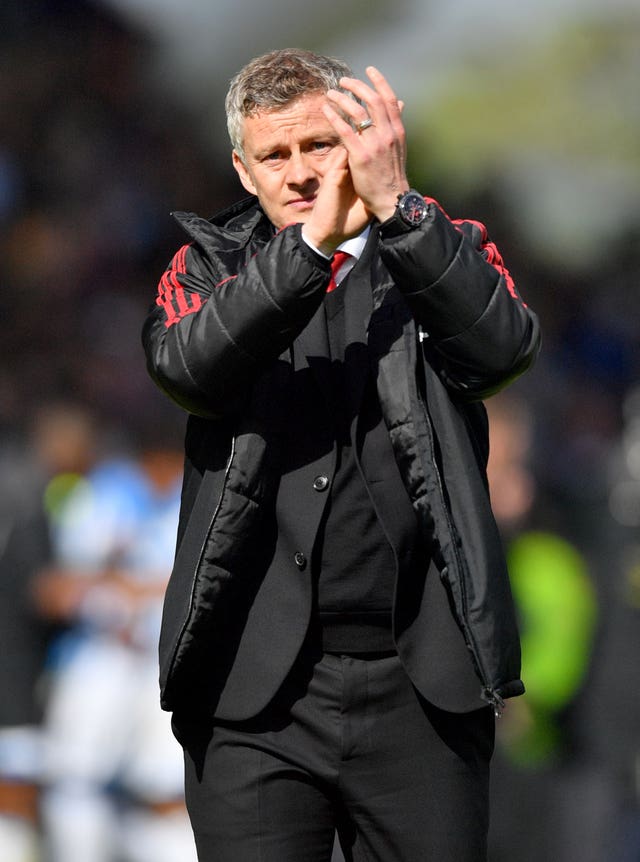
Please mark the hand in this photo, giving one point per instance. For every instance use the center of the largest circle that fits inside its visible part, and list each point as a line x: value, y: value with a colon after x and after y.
x: 338, y: 212
x: 377, y: 155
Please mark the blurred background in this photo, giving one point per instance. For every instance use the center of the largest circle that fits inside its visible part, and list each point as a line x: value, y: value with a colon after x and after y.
x: 523, y: 116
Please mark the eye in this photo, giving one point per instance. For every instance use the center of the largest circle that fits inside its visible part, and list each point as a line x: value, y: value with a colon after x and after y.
x: 322, y: 146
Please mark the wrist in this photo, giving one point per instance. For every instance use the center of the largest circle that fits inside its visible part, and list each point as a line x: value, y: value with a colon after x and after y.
x: 398, y: 226
x: 387, y: 211
x: 387, y: 206
x: 411, y: 209
x: 319, y: 241
x: 317, y: 248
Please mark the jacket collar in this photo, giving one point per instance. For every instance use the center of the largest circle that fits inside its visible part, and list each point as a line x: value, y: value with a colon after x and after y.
x: 233, y: 229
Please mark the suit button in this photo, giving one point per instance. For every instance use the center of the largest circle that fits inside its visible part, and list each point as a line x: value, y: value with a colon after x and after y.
x: 321, y: 483
x: 300, y: 560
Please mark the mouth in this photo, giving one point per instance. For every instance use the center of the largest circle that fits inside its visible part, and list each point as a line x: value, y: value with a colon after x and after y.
x: 302, y: 204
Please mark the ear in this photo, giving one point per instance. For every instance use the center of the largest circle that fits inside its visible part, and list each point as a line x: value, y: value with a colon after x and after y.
x: 243, y: 173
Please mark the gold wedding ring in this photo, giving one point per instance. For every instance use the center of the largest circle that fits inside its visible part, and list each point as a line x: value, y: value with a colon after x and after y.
x: 364, y: 124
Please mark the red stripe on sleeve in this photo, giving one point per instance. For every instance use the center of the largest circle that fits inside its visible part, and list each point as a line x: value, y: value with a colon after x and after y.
x: 490, y: 253
x: 488, y: 250
x: 172, y: 297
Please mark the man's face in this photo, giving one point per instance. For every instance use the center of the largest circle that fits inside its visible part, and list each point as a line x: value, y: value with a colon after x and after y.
x: 286, y: 156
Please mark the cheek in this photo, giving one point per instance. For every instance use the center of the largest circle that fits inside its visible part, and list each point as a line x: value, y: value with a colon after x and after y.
x: 268, y: 188
x: 264, y: 180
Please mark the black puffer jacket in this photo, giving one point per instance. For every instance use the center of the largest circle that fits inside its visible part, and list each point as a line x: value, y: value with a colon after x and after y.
x: 447, y: 329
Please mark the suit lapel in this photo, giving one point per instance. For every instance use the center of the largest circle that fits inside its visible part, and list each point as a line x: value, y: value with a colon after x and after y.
x: 311, y: 350
x: 357, y: 310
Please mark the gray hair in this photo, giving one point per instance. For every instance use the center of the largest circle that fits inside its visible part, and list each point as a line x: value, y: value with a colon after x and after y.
x: 271, y: 81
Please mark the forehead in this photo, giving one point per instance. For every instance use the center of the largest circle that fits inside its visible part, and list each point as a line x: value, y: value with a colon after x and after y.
x: 296, y: 120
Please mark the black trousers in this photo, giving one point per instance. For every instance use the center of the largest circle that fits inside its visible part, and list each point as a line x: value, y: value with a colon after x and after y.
x: 349, y: 746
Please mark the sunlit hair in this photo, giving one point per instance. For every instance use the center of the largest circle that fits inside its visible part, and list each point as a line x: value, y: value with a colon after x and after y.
x: 271, y: 81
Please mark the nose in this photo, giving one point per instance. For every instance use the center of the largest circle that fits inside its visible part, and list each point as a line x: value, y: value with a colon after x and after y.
x: 299, y: 170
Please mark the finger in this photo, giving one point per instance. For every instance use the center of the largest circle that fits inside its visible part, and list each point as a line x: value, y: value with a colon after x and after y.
x: 344, y: 114
x: 381, y: 101
x: 393, y: 105
x: 381, y: 88
x: 367, y: 100
x: 338, y: 161
x: 381, y: 85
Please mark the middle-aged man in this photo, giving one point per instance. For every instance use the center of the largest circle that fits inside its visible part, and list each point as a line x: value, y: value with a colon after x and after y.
x: 338, y: 630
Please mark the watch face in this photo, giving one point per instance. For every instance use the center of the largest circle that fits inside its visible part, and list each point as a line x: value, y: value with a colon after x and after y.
x: 412, y: 208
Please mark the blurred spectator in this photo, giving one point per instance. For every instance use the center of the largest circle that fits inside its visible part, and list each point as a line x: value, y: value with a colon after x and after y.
x: 113, y: 767
x: 552, y: 587
x: 609, y: 711
x: 540, y: 787
x: 23, y: 550
x: 58, y: 444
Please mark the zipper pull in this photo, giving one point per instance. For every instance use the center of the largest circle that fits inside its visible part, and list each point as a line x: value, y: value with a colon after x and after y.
x: 492, y: 697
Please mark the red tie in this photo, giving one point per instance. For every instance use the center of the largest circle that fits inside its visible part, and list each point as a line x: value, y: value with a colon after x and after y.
x: 336, y: 262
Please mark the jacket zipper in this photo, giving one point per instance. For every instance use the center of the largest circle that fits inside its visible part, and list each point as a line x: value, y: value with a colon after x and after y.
x: 227, y: 470
x: 489, y: 694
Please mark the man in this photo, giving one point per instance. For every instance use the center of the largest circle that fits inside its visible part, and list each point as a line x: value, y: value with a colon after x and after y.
x: 338, y: 625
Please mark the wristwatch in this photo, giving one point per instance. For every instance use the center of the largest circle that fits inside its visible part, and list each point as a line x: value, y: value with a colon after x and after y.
x: 412, y: 208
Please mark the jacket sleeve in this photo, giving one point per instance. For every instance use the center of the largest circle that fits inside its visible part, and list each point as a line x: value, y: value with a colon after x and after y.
x: 477, y: 331
x: 206, y: 341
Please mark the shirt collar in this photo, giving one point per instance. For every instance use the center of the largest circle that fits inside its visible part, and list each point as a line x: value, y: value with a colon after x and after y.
x: 355, y: 245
